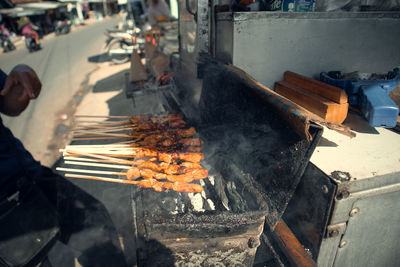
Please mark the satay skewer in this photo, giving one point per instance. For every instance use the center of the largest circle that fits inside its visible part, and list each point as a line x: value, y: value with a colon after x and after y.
x: 135, y: 120
x: 101, y: 123
x: 159, y: 135
x: 186, y: 157
x: 156, y: 185
x: 159, y: 167
x: 116, y: 145
x: 104, y: 116
x: 127, y: 127
x: 98, y: 138
x: 93, y: 133
x: 139, y: 123
x: 127, y: 116
x: 96, y: 164
x: 103, y: 129
x: 70, y: 160
x: 167, y: 157
x: 134, y: 173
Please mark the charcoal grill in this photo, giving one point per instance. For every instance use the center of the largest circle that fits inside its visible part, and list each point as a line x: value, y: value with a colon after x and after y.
x: 255, y: 160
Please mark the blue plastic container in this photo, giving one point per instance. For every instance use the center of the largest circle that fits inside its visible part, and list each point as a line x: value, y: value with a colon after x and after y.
x: 372, y: 97
x: 298, y: 5
x: 377, y: 107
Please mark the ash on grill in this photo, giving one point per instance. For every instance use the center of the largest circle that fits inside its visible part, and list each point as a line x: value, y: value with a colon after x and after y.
x: 221, y: 225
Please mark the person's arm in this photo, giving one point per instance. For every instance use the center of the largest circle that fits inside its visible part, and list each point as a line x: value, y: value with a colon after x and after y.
x: 16, y: 90
x: 3, y: 78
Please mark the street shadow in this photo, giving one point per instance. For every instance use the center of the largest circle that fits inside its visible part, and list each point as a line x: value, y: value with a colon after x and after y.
x: 113, y: 82
x: 120, y: 105
x: 358, y: 124
x: 115, y: 200
x: 327, y: 143
x: 55, y: 204
x: 101, y: 58
x: 155, y: 254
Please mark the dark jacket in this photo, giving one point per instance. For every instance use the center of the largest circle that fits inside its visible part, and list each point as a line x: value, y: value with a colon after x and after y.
x: 15, y: 160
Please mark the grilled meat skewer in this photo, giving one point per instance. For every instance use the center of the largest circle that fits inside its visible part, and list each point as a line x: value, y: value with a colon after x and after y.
x: 156, y: 185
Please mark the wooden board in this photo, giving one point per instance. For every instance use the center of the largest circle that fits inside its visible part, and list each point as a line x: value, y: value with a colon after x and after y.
x: 328, y: 91
x: 138, y: 70
x: 318, y: 105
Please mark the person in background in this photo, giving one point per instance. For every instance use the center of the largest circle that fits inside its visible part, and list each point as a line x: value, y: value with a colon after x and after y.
x: 158, y: 11
x: 4, y: 30
x: 85, y: 225
x: 26, y: 27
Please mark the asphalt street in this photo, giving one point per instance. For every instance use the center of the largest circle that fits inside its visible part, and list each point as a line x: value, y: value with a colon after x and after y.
x: 64, y: 67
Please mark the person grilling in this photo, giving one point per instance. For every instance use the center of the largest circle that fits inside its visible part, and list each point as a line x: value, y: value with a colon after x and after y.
x: 158, y: 11
x: 38, y: 206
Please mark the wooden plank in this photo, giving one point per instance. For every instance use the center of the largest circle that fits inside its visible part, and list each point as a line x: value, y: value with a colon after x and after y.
x: 138, y: 70
x: 318, y: 105
x: 328, y: 91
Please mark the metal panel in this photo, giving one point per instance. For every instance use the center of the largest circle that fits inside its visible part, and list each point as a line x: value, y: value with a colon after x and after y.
x: 372, y: 234
x: 265, y: 44
x: 193, y: 42
x: 309, y: 210
x: 330, y: 244
x: 224, y: 35
x: 346, y: 196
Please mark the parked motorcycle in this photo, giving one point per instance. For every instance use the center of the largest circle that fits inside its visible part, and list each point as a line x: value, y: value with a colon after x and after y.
x: 120, y: 45
x: 31, y: 44
x: 5, y: 42
x: 62, y: 27
x: 30, y: 41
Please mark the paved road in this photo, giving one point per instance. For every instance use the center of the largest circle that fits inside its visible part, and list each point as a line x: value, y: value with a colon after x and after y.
x: 63, y: 68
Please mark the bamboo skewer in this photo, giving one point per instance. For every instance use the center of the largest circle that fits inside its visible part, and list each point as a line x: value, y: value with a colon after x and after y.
x: 90, y: 171
x: 90, y: 133
x: 105, y: 179
x: 94, y: 160
x: 97, y: 138
x: 116, y: 160
x: 95, y: 164
x: 102, y: 122
x: 110, y: 129
x: 110, y: 146
x: 129, y: 151
x: 103, y: 116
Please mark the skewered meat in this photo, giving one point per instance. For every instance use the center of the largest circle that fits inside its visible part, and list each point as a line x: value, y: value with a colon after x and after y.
x: 185, y: 156
x: 191, y: 142
x: 177, y: 186
x: 191, y: 165
x: 194, y: 174
x: 150, y: 183
x: 183, y: 187
x: 164, y: 167
x: 194, y: 149
x: 161, y: 134
x: 168, y: 156
x: 149, y: 125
